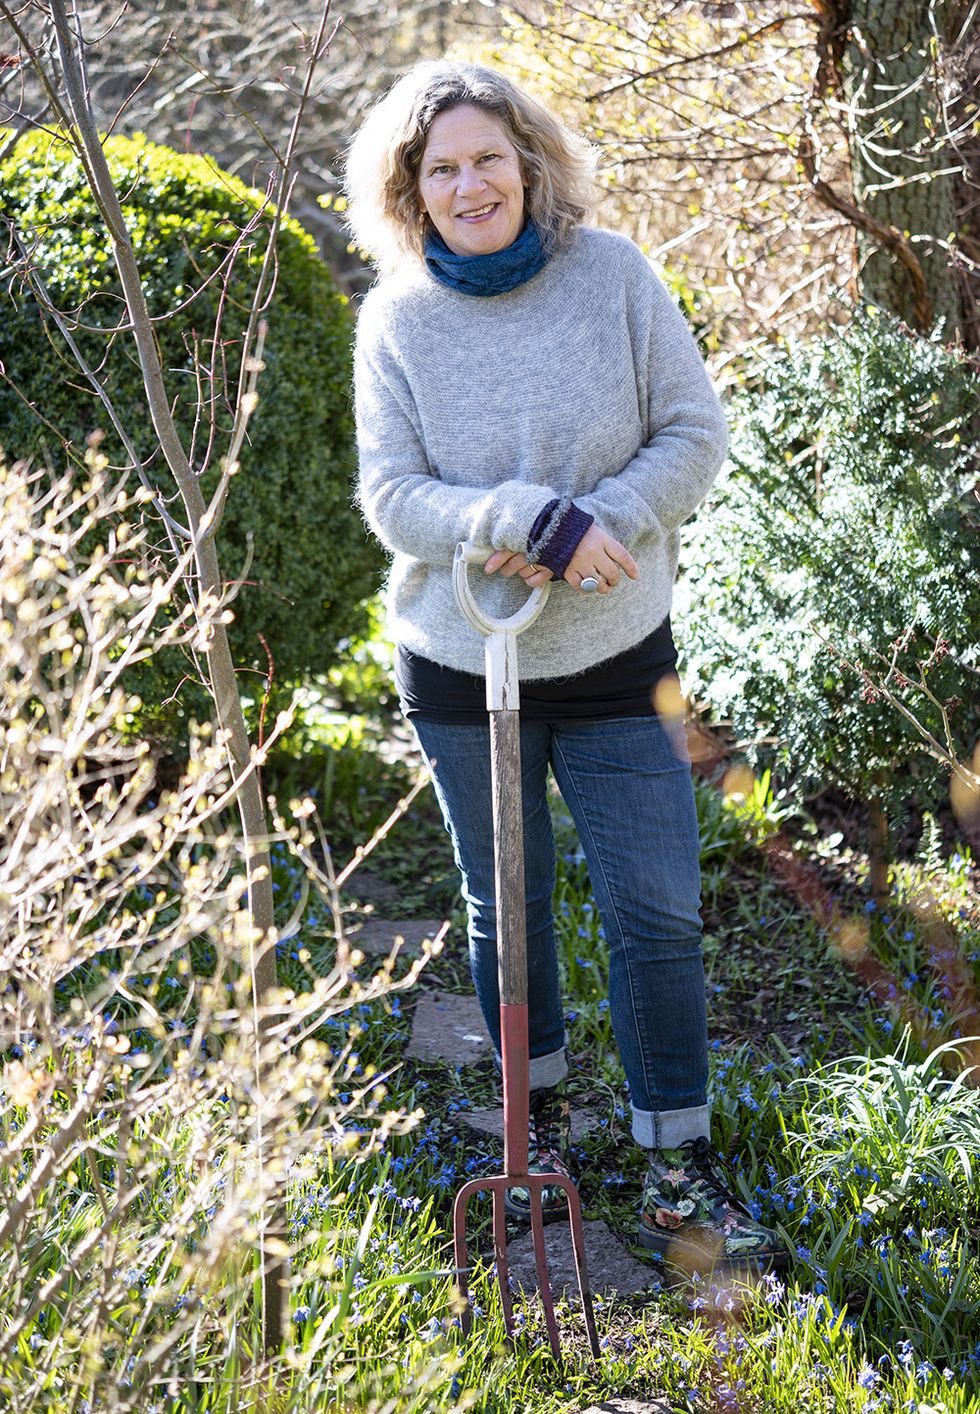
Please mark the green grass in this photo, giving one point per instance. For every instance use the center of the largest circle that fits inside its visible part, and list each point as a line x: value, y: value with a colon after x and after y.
x: 836, y: 1094
x: 847, y: 1132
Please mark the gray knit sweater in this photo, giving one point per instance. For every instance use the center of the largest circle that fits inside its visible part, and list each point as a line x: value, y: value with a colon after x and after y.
x: 473, y: 413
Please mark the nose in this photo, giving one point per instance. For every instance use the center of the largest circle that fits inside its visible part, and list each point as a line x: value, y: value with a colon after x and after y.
x: 469, y: 181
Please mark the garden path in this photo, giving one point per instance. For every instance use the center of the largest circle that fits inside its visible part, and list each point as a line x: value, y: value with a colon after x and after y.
x: 448, y: 1028
x: 629, y: 1406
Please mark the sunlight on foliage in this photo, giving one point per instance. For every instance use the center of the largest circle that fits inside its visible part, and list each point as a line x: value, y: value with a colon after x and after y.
x: 148, y: 1125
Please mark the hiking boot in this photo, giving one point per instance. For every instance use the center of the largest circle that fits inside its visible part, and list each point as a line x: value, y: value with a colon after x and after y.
x: 691, y: 1215
x: 549, y: 1134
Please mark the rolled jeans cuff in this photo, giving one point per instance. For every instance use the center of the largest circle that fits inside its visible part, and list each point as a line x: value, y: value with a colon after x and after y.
x: 668, y: 1129
x: 547, y: 1071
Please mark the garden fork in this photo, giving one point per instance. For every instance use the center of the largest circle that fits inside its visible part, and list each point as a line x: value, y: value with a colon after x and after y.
x: 500, y: 646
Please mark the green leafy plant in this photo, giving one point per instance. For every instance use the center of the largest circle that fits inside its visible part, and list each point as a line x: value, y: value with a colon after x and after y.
x: 289, y: 532
x: 363, y: 677
x: 842, y: 538
x: 886, y: 1154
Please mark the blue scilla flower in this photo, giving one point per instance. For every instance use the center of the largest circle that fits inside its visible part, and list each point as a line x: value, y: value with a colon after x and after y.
x: 774, y: 1290
x: 747, y: 1098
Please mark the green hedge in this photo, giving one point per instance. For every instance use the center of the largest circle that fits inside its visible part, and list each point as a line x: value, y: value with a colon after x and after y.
x: 312, y: 564
x: 845, y: 521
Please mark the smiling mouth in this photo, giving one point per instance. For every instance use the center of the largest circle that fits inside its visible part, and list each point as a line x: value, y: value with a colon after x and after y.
x: 480, y: 211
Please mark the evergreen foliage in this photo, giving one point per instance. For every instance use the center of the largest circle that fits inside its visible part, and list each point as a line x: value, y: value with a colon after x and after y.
x: 289, y: 527
x: 843, y: 528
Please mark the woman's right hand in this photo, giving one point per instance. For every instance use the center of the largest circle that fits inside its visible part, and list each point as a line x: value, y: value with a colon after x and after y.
x: 510, y: 562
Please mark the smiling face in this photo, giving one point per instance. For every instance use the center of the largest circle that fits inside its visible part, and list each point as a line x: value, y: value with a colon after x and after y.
x: 470, y: 182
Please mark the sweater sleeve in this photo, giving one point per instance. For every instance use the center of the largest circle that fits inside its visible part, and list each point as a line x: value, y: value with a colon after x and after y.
x: 687, y: 435
x: 408, y: 506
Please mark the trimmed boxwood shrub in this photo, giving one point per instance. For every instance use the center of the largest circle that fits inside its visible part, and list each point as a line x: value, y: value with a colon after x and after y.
x: 312, y: 565
x: 844, y: 521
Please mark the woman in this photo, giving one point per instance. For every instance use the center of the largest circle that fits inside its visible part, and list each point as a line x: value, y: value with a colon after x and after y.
x: 524, y: 381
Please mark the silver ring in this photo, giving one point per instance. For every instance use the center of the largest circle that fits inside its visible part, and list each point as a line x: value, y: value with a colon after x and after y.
x: 589, y: 584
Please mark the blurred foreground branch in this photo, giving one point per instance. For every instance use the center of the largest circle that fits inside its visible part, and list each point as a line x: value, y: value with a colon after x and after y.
x: 139, y: 1159
x: 65, y: 81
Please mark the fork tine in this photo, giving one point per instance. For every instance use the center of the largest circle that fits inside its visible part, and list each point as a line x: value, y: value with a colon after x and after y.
x: 581, y: 1270
x: 460, y: 1255
x: 541, y: 1263
x: 500, y: 1258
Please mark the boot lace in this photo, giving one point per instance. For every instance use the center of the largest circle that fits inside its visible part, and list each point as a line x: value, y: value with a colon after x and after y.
x: 708, y: 1164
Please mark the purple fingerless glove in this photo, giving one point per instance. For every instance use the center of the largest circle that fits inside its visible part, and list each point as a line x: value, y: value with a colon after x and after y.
x: 555, y: 535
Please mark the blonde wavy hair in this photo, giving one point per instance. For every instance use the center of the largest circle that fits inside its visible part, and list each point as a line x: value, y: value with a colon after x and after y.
x: 384, y: 158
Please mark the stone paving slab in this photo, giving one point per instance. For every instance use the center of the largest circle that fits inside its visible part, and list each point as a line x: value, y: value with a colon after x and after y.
x: 448, y: 1028
x: 378, y: 936
x: 492, y: 1122
x: 629, y: 1406
x: 370, y: 888
x: 610, y: 1266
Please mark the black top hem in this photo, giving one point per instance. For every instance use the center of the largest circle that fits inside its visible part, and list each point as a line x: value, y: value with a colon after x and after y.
x: 622, y: 686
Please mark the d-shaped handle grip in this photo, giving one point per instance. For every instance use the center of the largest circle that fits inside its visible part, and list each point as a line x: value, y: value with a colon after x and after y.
x: 469, y: 554
x: 501, y: 634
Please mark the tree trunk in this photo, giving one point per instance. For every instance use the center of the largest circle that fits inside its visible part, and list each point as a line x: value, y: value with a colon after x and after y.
x: 964, y: 60
x: 900, y: 163
x: 208, y: 585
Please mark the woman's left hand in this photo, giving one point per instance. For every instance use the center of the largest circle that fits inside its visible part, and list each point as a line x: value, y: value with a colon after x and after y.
x: 511, y: 562
x: 601, y: 556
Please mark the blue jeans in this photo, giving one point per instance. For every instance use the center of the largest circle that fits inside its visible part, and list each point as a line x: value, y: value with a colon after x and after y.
x: 627, y: 784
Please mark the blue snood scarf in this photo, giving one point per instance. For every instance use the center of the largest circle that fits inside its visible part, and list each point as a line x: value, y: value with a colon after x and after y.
x: 493, y: 274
